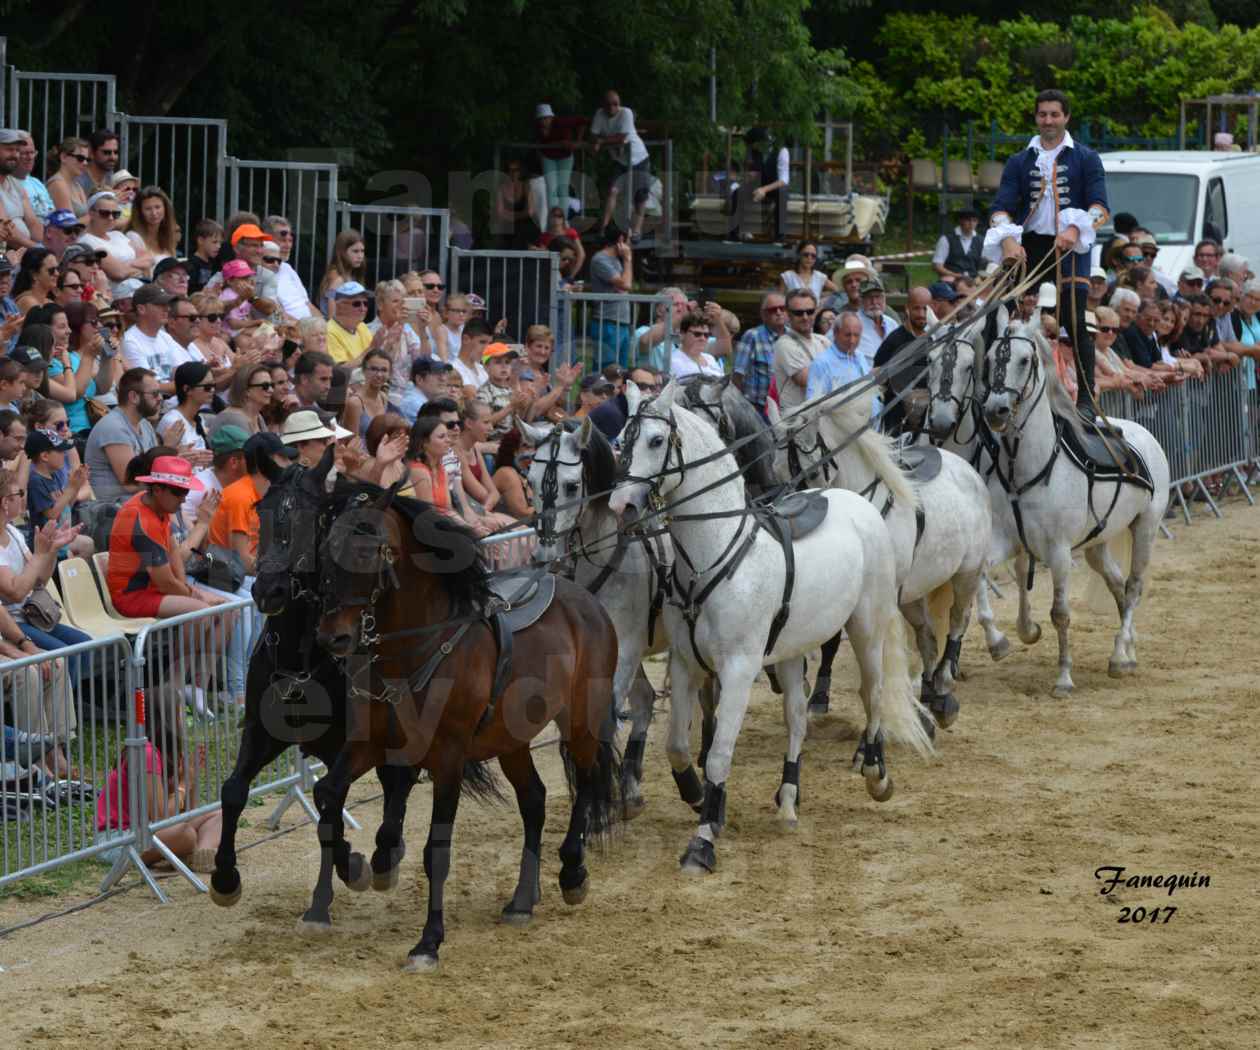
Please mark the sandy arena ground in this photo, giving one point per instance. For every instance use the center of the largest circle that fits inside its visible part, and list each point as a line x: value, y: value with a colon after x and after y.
x: 965, y: 912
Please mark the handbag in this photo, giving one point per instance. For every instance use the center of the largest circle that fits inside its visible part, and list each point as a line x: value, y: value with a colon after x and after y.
x: 217, y: 567
x: 41, y: 610
x: 96, y: 410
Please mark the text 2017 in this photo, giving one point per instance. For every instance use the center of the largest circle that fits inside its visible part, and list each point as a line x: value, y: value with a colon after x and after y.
x: 1155, y: 916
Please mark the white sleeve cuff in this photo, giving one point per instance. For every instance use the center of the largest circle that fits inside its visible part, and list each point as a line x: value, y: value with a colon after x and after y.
x: 994, y: 237
x: 1084, y: 227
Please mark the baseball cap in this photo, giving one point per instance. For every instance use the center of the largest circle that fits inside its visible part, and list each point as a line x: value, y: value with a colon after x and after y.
x: 248, y: 231
x: 128, y: 288
x: 237, y: 268
x: 543, y: 110
x: 63, y: 219
x: 75, y: 252
x: 349, y: 290
x: 1097, y: 272
x: 11, y: 136
x: 267, y: 442
x: 1192, y: 273
x: 941, y: 290
x: 171, y: 263
x: 151, y: 295
x: 38, y: 441
x: 229, y: 438
x: 597, y: 384
x: 870, y: 286
x: 500, y: 350
x: 29, y: 358
x: 475, y: 302
x: 5, y: 265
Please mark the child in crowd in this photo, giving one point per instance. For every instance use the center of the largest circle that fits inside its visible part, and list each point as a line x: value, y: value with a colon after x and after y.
x: 238, y: 275
x: 203, y: 263
x: 52, y: 486
x: 497, y: 392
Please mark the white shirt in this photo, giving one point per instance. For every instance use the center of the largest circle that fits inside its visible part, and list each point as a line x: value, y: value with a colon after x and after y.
x: 792, y: 281
x: 115, y: 245
x: 681, y: 366
x: 159, y: 354
x: 472, y: 376
x: 181, y: 355
x: 15, y: 556
x: 210, y: 480
x: 1043, y: 216
x: 868, y: 345
x: 292, y: 293
x: 621, y: 124
x: 190, y: 437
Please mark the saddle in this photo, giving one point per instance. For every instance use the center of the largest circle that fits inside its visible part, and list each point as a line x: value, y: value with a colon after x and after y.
x: 1104, y: 455
x: 523, y: 596
x: 802, y: 512
x: 921, y: 463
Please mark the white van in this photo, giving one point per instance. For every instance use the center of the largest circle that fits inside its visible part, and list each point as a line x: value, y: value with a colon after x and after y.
x: 1183, y: 196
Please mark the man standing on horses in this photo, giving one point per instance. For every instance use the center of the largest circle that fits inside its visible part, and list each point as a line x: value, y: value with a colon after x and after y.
x: 1052, y: 199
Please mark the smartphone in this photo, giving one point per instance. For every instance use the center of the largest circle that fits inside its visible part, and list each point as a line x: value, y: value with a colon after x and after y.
x: 414, y: 304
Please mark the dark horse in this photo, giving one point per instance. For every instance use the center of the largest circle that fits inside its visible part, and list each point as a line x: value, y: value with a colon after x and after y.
x: 295, y: 692
x: 405, y: 586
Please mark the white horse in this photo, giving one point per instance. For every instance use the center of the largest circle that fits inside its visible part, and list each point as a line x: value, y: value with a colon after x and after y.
x: 1060, y: 508
x: 733, y: 611
x: 940, y: 534
x: 571, y: 476
x: 955, y: 420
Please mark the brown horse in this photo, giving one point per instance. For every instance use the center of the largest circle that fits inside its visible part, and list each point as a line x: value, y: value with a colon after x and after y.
x: 408, y: 606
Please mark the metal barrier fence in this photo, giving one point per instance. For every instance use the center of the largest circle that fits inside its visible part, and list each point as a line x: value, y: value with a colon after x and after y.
x: 186, y: 156
x: 520, y: 287
x: 305, y: 193
x: 510, y: 550
x: 56, y: 106
x: 1208, y: 430
x: 399, y: 238
x: 597, y: 329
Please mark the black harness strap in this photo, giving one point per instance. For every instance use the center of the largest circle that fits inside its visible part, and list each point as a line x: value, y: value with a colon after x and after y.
x: 783, y: 533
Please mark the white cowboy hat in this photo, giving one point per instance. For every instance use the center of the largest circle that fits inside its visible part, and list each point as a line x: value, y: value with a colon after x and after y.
x: 307, y: 426
x: 856, y: 264
x: 1047, y: 297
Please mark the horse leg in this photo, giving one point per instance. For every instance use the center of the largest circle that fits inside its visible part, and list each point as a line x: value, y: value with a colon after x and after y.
x: 1028, y: 630
x: 1100, y: 560
x: 397, y: 782
x: 1061, y: 569
x: 330, y: 798
x: 796, y: 717
x: 258, y: 747
x: 531, y: 800
x: 683, y: 691
x: 423, y: 958
x: 642, y: 698
x: 1145, y: 530
x: 944, y: 707
x: 868, y: 638
x: 999, y: 645
x: 708, y: 718
x: 736, y: 678
x: 966, y: 586
x: 820, y: 699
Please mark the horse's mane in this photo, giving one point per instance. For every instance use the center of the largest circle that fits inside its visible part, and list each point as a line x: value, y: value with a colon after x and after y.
x: 599, y: 464
x: 875, y: 449
x: 755, y: 457
x: 454, y: 555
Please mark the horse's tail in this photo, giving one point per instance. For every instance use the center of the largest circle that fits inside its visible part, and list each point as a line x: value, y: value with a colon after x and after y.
x: 901, y: 715
x: 607, y: 805
x: 875, y: 448
x: 1098, y: 595
x: 940, y: 608
x: 481, y: 783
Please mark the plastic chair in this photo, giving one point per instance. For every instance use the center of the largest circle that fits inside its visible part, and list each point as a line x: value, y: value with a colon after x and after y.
x: 83, y: 605
x: 100, y: 562
x: 925, y: 174
x: 990, y: 175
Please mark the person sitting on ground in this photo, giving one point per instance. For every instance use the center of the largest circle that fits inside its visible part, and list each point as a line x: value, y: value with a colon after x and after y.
x: 170, y: 786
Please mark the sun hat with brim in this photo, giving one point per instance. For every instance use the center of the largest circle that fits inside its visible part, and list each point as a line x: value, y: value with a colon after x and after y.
x: 119, y: 177
x: 1047, y: 297
x: 174, y: 471
x: 304, y: 426
x: 855, y: 265
x: 1091, y: 322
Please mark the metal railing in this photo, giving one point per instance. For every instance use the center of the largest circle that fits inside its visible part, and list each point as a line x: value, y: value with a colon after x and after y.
x: 520, y: 287
x: 599, y: 329
x: 186, y: 156
x: 399, y: 238
x: 56, y: 106
x: 510, y: 550
x: 305, y: 193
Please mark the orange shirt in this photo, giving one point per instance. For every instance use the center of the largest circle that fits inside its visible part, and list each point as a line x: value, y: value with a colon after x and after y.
x: 236, y: 513
x: 139, y: 539
x: 441, y: 494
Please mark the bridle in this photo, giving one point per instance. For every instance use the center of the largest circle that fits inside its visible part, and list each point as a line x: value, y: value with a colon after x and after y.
x: 949, y: 366
x: 995, y: 377
x: 630, y: 438
x: 549, y: 487
x: 713, y: 410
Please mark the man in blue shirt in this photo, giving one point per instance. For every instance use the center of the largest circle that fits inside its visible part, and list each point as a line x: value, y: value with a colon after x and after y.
x: 840, y: 363
x: 754, y: 360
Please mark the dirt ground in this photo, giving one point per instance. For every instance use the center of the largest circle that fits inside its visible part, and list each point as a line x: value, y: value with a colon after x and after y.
x: 964, y: 912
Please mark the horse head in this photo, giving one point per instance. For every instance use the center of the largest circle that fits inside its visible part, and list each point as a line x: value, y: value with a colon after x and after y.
x: 951, y: 367
x: 648, y: 442
x: 290, y: 517
x: 1014, y: 373
x: 573, y: 463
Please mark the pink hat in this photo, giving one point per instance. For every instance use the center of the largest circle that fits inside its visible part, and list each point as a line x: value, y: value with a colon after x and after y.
x: 237, y: 268
x: 174, y: 471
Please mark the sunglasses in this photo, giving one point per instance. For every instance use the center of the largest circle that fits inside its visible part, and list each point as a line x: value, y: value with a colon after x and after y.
x: 702, y: 333
x: 82, y: 158
x: 272, y: 259
x: 1107, y: 328
x: 284, y: 235
x: 802, y: 313
x: 184, y: 317
x: 434, y: 287
x: 775, y: 309
x: 68, y: 287
x: 809, y: 255
x: 453, y: 424
x: 262, y: 386
x: 212, y: 318
x: 1220, y: 302
x: 358, y: 304
x: 1133, y: 258
x: 15, y: 494
x: 209, y: 387
x: 116, y: 325
x: 109, y: 214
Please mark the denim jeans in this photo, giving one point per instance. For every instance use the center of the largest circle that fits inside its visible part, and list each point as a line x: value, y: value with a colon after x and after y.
x: 58, y: 638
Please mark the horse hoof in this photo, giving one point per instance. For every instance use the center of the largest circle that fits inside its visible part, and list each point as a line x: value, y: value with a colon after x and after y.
x: 1032, y: 636
x: 634, y: 807
x: 945, y: 709
x: 1121, y: 668
x: 385, y: 881
x: 359, y: 873
x: 999, y: 650
x: 818, y: 708
x: 314, y: 927
x: 878, y: 793
x: 699, y: 858
x: 578, y: 893
x: 420, y: 964
x: 225, y: 900
x: 516, y: 918
x: 1061, y: 692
